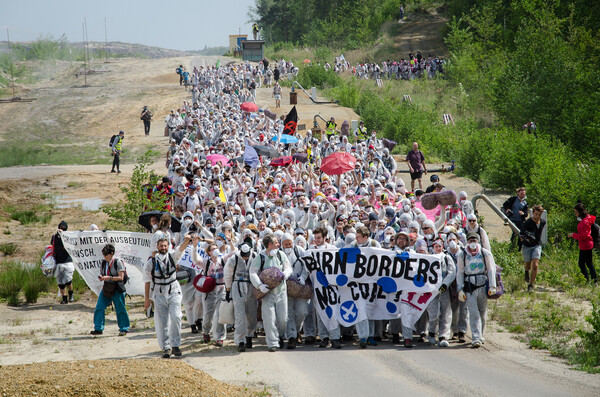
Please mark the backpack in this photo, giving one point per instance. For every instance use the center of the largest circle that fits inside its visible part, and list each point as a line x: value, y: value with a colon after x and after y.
x: 178, y: 70
x: 499, y: 284
x: 595, y: 232
x: 112, y: 140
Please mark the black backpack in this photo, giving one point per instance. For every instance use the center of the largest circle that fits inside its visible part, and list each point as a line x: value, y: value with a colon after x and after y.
x: 112, y: 140
x: 596, y: 235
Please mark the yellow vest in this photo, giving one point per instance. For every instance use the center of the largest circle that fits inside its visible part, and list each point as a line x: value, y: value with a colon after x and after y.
x: 118, y: 145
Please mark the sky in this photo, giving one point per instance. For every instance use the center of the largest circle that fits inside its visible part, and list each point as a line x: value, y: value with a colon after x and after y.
x: 178, y: 25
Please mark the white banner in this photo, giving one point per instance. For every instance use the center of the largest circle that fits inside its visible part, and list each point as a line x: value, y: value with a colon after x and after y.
x: 186, y: 258
x: 354, y: 284
x: 85, y: 248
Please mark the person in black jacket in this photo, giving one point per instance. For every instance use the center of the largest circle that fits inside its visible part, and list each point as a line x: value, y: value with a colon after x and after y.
x: 64, y: 264
x: 531, y: 234
x: 515, y: 208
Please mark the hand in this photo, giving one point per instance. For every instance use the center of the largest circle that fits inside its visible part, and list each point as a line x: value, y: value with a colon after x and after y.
x: 264, y: 288
x: 492, y: 291
x: 301, y: 281
x: 228, y: 296
x: 461, y: 296
x: 146, y: 304
x: 443, y: 288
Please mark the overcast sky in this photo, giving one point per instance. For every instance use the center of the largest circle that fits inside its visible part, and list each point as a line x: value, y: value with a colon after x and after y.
x: 179, y: 25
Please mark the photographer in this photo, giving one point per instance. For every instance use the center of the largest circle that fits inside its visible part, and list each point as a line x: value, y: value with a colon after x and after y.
x: 112, y: 274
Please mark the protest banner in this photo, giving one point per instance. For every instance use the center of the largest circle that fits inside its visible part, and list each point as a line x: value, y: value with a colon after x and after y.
x: 354, y: 284
x: 85, y: 248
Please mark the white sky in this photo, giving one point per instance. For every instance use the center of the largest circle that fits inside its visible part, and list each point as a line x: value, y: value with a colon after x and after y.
x: 179, y: 25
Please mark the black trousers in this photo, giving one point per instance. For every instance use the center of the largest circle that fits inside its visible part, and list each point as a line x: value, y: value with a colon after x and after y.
x: 116, y: 161
x: 586, y: 262
x: 147, y: 127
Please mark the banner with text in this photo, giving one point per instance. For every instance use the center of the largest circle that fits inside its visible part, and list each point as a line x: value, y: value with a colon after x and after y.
x: 354, y: 284
x: 85, y: 248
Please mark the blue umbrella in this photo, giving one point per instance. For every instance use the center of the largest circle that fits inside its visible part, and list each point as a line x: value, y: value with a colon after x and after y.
x: 286, y: 139
x: 250, y: 156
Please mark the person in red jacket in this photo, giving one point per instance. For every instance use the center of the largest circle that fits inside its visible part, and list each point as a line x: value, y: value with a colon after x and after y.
x: 586, y: 243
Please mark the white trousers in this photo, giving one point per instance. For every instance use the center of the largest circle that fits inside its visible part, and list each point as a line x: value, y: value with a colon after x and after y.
x: 297, y: 312
x: 477, y: 305
x: 274, y: 316
x: 245, y: 309
x: 167, y: 319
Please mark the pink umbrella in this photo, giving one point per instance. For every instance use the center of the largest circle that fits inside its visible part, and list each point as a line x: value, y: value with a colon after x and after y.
x: 249, y: 107
x: 338, y: 163
x: 216, y: 158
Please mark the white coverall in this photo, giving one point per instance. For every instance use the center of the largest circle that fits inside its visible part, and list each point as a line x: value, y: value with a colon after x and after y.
x: 439, y: 309
x: 274, y: 304
x: 245, y: 305
x: 212, y: 300
x: 473, y: 269
x: 166, y: 298
x: 297, y: 307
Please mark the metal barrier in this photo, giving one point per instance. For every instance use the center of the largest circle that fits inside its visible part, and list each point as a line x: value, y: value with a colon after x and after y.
x: 308, y: 95
x: 507, y: 222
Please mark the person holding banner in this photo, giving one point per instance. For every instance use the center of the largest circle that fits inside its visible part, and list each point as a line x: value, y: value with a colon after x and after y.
x: 112, y: 274
x: 161, y: 286
x: 439, y: 309
x: 476, y: 266
x: 274, y: 304
x: 237, y: 287
x: 297, y: 307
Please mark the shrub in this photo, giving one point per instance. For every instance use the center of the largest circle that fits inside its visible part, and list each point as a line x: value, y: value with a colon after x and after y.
x: 317, y: 76
x: 589, y: 354
x: 11, y: 282
x: 35, y: 283
x: 8, y: 248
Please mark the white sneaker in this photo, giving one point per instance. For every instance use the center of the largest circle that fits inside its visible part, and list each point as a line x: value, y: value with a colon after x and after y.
x: 444, y: 343
x: 432, y: 341
x: 476, y: 344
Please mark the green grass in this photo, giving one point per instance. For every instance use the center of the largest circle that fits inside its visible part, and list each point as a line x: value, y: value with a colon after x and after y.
x: 36, y: 152
x: 8, y: 248
x: 28, y: 215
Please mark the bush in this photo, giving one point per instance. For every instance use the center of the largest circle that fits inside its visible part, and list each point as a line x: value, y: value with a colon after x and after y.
x: 11, y: 282
x: 8, y: 248
x: 589, y: 354
x: 317, y: 76
x: 35, y: 283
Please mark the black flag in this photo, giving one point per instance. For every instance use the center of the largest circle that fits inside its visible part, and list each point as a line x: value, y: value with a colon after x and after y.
x: 290, y: 122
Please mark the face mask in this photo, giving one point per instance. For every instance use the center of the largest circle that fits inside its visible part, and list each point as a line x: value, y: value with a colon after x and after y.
x: 155, y: 226
x: 387, y: 238
x: 288, y: 251
x: 278, y: 180
x: 212, y: 210
x: 251, y: 195
x: 288, y: 204
x: 188, y: 222
x: 406, y: 208
x: 452, y: 245
x: 278, y: 209
x: 247, y: 184
x: 473, y: 246
x: 342, y: 207
x: 226, y: 184
x: 304, y: 177
x: 220, y: 244
x: 579, y: 218
x: 429, y: 236
x: 213, y: 230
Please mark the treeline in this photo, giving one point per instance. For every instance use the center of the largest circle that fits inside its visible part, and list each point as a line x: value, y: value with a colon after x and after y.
x: 338, y: 23
x: 532, y: 60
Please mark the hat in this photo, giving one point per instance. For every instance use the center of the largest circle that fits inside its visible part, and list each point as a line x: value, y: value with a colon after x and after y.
x: 63, y: 226
x: 192, y: 187
x: 372, y: 216
x: 429, y: 223
x: 434, y: 178
x: 166, y: 179
x: 472, y: 217
x: 389, y: 212
x: 299, y: 230
x: 209, y: 220
x: 121, y: 132
x: 187, y: 214
x: 473, y: 235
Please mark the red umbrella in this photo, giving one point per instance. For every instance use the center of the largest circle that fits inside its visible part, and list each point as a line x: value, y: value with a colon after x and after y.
x: 338, y: 163
x: 249, y: 107
x: 281, y: 161
x: 215, y: 158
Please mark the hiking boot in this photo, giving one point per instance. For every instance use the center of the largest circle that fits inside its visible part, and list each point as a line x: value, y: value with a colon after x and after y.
x: 241, y: 347
x: 249, y: 342
x: 336, y: 344
x: 206, y: 338
x: 444, y: 342
x: 324, y: 343
x: 177, y: 351
x: 476, y: 344
x: 291, y: 343
x: 64, y: 300
x: 199, y: 324
x: 461, y: 337
x: 122, y: 333
x: 408, y: 343
x: 371, y: 341
x: 362, y: 343
x: 166, y: 353
x: 194, y: 329
x: 530, y: 288
x: 219, y: 343
x: 96, y: 332
x: 526, y: 276
x: 71, y: 297
x: 395, y: 339
x: 273, y: 349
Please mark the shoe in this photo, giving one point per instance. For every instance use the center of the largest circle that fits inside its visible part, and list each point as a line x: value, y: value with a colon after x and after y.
x: 199, y: 324
x: 371, y: 342
x: 249, y: 342
x: 336, y: 344
x: 443, y: 343
x: 64, y: 300
x: 122, y: 333
x: 194, y: 329
x: 96, y: 332
x: 324, y: 343
x: 348, y: 338
x: 113, y: 171
x: 71, y: 297
x: 206, y: 338
x: 177, y: 351
x: 432, y: 340
x: 476, y: 344
x: 273, y: 349
x: 454, y: 336
x: 241, y: 347
x: 377, y: 338
x: 281, y: 343
x: 291, y: 344
x: 118, y: 171
x: 408, y: 343
x: 527, y: 276
x: 396, y: 339
x: 166, y: 353
x: 310, y: 340
x: 530, y: 288
x: 461, y: 337
x: 362, y: 343
x: 422, y: 338
x: 219, y: 343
